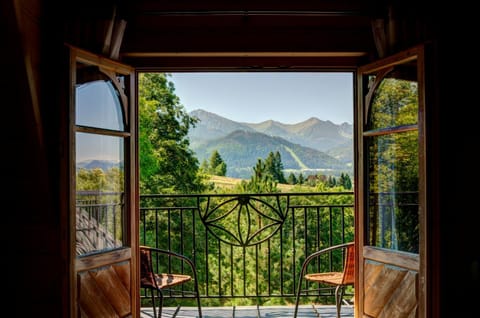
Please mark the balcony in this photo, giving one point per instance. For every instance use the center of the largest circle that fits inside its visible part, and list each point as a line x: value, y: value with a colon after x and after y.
x: 304, y: 311
x: 248, y: 249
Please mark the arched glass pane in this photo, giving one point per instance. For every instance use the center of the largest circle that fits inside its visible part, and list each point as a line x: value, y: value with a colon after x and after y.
x: 393, y: 161
x: 394, y: 103
x: 98, y: 102
x: 100, y: 180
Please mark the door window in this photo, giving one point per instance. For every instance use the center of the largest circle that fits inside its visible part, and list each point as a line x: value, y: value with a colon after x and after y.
x: 100, y: 141
x: 391, y: 143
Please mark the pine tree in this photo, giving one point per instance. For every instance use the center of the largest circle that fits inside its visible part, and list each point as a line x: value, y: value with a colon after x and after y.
x: 331, y: 182
x: 221, y: 169
x: 301, y: 178
x: 261, y: 180
x: 217, y: 166
x: 292, y: 179
x: 204, y: 166
x: 279, y: 168
x: 345, y: 181
x: 274, y: 167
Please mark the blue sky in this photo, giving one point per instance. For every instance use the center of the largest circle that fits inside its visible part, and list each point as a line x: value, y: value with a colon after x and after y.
x: 287, y: 97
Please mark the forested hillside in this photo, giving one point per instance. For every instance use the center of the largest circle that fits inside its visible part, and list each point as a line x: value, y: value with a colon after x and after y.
x: 241, y: 149
x: 310, y: 147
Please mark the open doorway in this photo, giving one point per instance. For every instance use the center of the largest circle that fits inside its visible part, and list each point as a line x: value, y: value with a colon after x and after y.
x: 256, y: 172
x: 306, y: 116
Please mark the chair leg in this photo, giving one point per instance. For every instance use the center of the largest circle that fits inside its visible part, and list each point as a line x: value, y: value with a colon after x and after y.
x: 160, y: 303
x: 160, y: 306
x: 197, y: 293
x: 297, y: 299
x: 153, y: 303
x: 338, y: 299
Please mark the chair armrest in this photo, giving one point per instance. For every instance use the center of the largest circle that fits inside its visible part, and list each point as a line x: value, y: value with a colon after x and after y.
x: 176, y: 255
x: 321, y: 252
x: 171, y: 253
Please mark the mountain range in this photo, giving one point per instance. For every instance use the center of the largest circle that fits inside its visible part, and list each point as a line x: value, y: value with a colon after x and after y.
x: 99, y: 163
x: 310, y: 147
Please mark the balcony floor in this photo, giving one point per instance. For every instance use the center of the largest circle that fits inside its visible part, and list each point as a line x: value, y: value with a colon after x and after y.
x: 304, y: 311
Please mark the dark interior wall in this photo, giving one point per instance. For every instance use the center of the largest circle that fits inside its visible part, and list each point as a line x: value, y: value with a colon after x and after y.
x: 454, y: 168
x: 34, y: 202
x: 460, y: 229
x: 29, y: 218
x: 33, y: 221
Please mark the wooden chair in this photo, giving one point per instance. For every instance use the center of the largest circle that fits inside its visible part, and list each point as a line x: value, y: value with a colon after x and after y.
x: 339, y: 279
x: 161, y: 282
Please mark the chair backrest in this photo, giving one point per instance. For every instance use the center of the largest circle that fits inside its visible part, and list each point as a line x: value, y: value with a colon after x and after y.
x: 147, y: 278
x: 349, y: 267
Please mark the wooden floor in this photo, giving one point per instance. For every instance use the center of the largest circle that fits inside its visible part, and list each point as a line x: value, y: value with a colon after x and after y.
x: 304, y: 311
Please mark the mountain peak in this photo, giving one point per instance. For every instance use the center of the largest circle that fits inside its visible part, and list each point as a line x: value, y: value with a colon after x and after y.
x: 305, y: 144
x: 312, y: 120
x: 269, y: 122
x: 202, y: 112
x: 316, y: 121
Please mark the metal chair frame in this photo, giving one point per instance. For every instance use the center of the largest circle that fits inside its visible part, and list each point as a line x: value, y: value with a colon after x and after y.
x: 159, y: 282
x: 338, y: 279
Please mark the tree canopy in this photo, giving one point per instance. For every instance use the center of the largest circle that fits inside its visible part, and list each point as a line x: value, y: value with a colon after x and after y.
x: 167, y: 164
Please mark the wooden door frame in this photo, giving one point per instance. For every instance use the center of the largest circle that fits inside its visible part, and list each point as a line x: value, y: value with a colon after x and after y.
x: 418, y: 53
x: 130, y: 249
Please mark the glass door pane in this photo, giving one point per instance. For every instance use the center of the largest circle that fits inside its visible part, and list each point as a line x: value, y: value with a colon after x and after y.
x: 392, y: 155
x: 100, y: 180
x: 393, y: 191
x: 100, y: 141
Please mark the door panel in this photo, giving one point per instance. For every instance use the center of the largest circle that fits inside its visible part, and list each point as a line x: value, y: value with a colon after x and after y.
x: 102, y: 197
x: 390, y: 138
x: 390, y: 285
x: 105, y: 291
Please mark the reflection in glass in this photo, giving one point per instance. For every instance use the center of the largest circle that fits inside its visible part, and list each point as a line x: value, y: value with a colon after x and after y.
x: 100, y: 192
x: 98, y: 104
x: 392, y: 161
x: 394, y: 104
x: 393, y: 191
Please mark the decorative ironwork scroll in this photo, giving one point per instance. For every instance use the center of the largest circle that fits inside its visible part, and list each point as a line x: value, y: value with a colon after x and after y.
x: 243, y: 220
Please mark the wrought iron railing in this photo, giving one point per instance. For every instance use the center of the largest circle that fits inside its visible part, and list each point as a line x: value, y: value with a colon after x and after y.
x: 248, y: 248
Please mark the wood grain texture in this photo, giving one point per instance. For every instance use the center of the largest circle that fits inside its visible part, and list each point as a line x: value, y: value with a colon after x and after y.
x: 390, y: 291
x: 114, y: 290
x: 105, y: 292
x: 403, y: 302
x: 92, y: 301
x: 123, y: 272
x: 381, y: 288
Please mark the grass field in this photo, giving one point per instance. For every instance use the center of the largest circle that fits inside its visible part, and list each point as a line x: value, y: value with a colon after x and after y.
x: 229, y: 183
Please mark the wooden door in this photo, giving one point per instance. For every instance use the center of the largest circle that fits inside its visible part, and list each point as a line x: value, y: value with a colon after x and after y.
x: 103, y: 174
x: 391, y: 187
